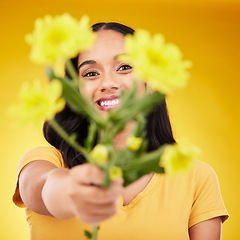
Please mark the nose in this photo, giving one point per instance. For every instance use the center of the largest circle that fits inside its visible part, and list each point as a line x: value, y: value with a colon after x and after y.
x: 109, y: 83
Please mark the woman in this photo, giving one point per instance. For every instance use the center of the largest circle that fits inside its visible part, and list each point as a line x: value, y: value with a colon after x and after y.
x: 62, y: 196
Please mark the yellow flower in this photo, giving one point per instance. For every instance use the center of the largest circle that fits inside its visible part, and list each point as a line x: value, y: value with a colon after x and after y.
x: 37, y: 103
x: 155, y: 62
x: 55, y: 39
x: 178, y: 157
x: 134, y: 143
x: 99, y: 154
x: 115, y: 173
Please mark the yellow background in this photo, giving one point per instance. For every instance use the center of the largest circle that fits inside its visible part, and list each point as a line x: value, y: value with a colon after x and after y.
x: 207, y: 111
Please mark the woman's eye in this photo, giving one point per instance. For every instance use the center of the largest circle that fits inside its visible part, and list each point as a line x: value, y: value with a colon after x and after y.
x: 125, y: 67
x: 91, y: 74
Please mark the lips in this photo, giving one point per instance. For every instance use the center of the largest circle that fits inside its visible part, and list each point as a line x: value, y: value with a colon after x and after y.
x: 108, y: 103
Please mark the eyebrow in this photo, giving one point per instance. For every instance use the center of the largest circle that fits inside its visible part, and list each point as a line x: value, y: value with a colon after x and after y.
x: 94, y: 62
x: 86, y: 62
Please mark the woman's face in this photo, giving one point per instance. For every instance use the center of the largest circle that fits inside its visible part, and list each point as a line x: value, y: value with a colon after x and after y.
x: 102, y: 74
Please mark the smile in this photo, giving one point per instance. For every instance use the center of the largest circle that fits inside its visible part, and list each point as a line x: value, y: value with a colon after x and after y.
x: 108, y: 103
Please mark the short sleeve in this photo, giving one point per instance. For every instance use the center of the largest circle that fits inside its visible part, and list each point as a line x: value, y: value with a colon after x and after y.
x: 208, y: 202
x: 49, y: 154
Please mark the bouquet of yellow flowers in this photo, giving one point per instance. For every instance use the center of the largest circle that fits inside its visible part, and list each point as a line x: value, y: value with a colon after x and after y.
x: 54, y: 41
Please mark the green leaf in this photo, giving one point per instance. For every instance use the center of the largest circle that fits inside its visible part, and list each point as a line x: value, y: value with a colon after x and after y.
x: 77, y: 103
x: 146, y: 164
x: 147, y: 103
x: 127, y: 97
x: 138, y: 130
x: 74, y: 99
x: 131, y: 176
x: 88, y: 234
x: 130, y: 110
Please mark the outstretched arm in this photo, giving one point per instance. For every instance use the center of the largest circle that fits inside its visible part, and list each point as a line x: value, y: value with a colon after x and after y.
x: 66, y: 193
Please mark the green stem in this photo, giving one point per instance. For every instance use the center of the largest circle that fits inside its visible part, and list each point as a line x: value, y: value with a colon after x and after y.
x: 92, y: 133
x: 94, y: 232
x: 103, y: 134
x: 72, y: 71
x: 70, y: 140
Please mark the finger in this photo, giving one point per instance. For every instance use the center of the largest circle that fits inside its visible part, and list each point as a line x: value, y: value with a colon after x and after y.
x: 96, y: 195
x: 94, y: 218
x: 119, y: 181
x: 99, y: 209
x: 87, y: 174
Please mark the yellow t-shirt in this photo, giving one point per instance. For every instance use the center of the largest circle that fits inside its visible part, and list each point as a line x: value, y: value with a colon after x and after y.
x: 164, y: 210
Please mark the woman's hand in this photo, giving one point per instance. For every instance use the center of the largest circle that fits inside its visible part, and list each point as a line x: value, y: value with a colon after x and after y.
x: 65, y: 193
x: 92, y: 203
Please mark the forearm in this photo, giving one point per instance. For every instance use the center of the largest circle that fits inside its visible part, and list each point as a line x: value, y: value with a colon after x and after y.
x: 55, y: 194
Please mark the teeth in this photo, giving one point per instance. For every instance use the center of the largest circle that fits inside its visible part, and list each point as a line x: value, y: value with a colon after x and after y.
x: 110, y: 103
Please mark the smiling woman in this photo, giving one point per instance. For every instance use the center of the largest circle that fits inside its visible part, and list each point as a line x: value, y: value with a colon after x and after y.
x: 109, y: 72
x: 62, y: 195
x: 101, y: 72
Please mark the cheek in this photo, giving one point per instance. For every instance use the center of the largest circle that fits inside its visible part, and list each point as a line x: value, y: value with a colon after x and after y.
x: 127, y: 81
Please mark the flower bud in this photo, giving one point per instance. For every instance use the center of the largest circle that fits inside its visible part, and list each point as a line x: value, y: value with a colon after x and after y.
x: 115, y: 173
x: 99, y: 154
x: 134, y: 143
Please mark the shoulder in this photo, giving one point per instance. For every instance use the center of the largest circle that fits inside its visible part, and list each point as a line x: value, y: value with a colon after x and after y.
x: 207, y: 199
x: 202, y: 166
x: 49, y: 154
x: 206, y: 183
x: 43, y: 152
x: 46, y: 153
x: 203, y: 171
